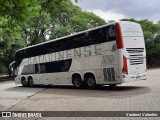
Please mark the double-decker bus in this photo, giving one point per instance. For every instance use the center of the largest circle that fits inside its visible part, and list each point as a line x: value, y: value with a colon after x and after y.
x: 107, y: 55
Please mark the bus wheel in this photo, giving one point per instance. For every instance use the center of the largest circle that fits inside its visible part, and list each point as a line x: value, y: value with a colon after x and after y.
x: 77, y: 81
x: 90, y: 81
x: 24, y: 82
x: 30, y: 81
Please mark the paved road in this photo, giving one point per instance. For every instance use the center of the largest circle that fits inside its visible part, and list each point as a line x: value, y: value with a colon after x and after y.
x: 11, y: 94
x: 134, y: 96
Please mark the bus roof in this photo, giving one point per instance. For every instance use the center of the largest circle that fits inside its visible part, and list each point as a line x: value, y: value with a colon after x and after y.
x: 73, y: 34
x: 66, y: 36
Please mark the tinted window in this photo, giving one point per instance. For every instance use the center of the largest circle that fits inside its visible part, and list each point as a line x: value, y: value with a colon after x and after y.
x: 42, y: 68
x: 37, y: 68
x: 28, y: 69
x: 111, y: 31
x: 58, y: 66
x: 49, y: 67
x: 97, y: 36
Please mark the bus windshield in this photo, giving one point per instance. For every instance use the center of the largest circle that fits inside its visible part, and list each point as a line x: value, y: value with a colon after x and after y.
x: 13, y: 69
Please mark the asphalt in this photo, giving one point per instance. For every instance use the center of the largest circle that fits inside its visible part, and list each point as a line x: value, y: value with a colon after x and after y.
x: 135, y: 96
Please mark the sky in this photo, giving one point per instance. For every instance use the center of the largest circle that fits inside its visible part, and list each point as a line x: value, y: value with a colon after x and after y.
x: 118, y: 9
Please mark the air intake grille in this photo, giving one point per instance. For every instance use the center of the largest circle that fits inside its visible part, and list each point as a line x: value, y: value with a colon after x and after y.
x: 135, y: 50
x: 136, y: 56
x: 109, y: 74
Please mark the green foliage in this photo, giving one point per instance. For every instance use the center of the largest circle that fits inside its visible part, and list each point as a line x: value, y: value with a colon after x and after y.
x: 72, y: 19
x: 18, y: 11
x: 60, y: 31
x: 34, y: 32
x: 28, y: 22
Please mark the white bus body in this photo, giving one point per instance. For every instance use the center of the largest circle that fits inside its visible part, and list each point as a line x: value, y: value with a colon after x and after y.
x: 134, y: 51
x: 119, y: 59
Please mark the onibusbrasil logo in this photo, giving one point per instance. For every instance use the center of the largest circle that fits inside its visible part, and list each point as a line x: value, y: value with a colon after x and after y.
x: 21, y: 114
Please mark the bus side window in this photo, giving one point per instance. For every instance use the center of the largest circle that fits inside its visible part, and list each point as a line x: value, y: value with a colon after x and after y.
x: 42, y: 68
x: 31, y: 69
x: 56, y: 46
x: 37, y: 68
x: 64, y: 66
x: 111, y: 32
x: 25, y: 70
x: 106, y: 34
x: 102, y: 35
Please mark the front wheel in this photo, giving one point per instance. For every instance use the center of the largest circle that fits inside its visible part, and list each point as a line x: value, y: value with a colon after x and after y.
x: 90, y: 81
x: 77, y: 81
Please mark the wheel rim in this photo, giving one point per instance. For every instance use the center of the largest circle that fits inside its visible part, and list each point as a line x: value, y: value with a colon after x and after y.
x: 31, y: 82
x: 24, y: 82
x: 77, y: 82
x: 90, y: 82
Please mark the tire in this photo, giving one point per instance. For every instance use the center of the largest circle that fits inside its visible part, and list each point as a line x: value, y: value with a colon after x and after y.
x: 77, y: 81
x: 90, y: 81
x: 112, y: 85
x: 24, y: 82
x: 30, y: 81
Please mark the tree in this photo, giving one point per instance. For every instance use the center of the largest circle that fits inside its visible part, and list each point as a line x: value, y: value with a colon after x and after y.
x: 9, y: 43
x: 28, y: 22
x: 35, y: 32
x: 18, y: 11
x: 72, y: 19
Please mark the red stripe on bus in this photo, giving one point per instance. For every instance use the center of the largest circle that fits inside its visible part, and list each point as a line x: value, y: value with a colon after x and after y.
x: 119, y: 38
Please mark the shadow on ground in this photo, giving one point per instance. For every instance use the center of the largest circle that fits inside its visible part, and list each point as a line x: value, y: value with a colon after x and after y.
x: 118, y: 92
